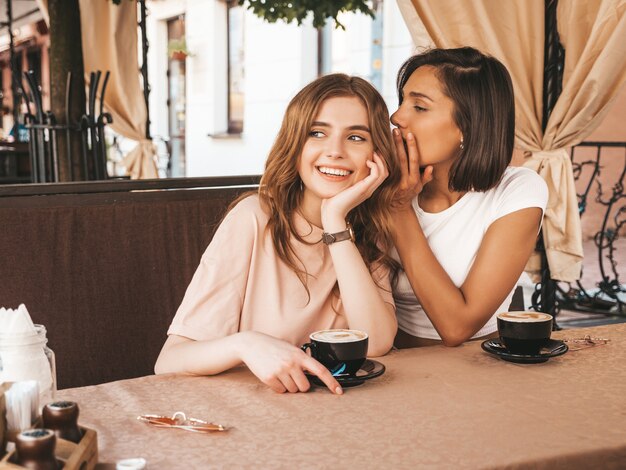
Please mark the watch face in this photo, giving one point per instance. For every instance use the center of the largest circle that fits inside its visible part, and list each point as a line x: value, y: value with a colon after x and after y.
x: 352, y: 235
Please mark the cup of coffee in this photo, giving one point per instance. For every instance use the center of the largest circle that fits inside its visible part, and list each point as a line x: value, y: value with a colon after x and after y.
x: 524, y: 332
x: 342, y: 352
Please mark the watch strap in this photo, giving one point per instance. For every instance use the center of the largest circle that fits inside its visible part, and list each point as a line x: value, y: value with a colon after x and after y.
x: 330, y: 238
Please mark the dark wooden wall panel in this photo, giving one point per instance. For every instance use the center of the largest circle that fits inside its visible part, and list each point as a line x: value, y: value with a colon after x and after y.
x: 105, y: 272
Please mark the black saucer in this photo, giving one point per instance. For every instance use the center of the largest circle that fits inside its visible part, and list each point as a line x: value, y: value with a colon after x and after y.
x: 552, y: 349
x: 369, y: 370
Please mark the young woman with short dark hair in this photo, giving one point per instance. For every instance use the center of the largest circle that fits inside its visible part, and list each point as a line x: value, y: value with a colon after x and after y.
x: 465, y: 222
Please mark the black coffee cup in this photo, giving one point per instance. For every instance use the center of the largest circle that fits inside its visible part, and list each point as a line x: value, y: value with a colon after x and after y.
x: 342, y: 352
x: 524, y: 332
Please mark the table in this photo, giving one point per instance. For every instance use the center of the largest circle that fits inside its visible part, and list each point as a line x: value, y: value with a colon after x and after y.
x: 435, y: 407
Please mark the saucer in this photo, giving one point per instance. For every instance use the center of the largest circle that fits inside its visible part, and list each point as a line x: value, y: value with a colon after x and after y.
x: 552, y: 349
x: 369, y: 370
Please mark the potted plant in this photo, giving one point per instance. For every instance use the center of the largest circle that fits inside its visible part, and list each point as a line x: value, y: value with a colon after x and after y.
x: 177, y: 49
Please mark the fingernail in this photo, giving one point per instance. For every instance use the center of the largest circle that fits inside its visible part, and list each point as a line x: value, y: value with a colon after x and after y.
x: 396, y: 131
x: 409, y: 136
x: 339, y: 391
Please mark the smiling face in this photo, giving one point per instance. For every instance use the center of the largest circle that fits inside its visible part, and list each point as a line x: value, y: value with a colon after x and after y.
x: 426, y: 112
x: 335, y: 153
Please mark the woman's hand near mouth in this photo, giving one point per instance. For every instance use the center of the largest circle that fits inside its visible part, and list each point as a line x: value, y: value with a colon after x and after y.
x: 413, y: 179
x: 336, y: 208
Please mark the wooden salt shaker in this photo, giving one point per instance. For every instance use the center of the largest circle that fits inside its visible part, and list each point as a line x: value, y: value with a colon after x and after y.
x: 62, y: 418
x: 35, y: 449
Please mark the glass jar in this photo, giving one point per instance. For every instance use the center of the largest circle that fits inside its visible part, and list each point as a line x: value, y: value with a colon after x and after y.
x: 26, y: 356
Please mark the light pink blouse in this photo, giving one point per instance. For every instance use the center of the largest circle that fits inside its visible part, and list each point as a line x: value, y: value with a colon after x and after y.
x: 241, y: 283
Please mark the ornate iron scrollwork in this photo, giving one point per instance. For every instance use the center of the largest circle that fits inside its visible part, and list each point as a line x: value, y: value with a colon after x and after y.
x: 609, y: 295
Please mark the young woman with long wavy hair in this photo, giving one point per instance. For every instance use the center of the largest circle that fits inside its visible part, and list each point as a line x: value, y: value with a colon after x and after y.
x: 267, y: 280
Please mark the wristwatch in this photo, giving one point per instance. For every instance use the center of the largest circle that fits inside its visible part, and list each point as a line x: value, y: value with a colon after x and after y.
x: 347, y: 234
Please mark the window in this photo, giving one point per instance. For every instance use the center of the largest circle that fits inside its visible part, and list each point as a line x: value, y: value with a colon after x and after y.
x: 236, y: 71
x: 357, y: 50
x: 33, y: 58
x: 324, y: 51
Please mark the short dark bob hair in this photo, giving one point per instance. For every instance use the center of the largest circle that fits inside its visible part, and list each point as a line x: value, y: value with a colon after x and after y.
x: 484, y: 110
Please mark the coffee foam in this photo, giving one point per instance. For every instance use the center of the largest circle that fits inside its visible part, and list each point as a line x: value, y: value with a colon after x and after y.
x: 338, y: 336
x: 525, y: 317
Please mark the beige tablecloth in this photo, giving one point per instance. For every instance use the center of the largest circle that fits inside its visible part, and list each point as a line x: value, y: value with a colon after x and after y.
x: 434, y: 407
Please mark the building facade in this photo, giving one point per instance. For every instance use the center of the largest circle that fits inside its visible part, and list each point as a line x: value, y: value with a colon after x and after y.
x: 221, y: 77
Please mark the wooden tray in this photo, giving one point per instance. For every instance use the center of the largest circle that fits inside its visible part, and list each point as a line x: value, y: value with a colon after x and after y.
x: 83, y: 456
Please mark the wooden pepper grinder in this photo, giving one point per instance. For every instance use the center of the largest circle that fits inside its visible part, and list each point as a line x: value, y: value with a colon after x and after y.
x: 62, y: 418
x: 35, y: 449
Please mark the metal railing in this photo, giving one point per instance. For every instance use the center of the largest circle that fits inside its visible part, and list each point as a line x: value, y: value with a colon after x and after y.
x: 608, y: 296
x: 43, y: 131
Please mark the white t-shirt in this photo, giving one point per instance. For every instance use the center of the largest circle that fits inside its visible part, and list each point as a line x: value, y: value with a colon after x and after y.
x: 455, y: 235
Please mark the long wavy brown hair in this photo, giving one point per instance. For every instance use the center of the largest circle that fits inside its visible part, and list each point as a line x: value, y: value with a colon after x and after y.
x: 280, y: 190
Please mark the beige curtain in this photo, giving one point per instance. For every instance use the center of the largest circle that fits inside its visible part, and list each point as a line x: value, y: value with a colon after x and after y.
x: 109, y: 35
x: 593, y: 35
